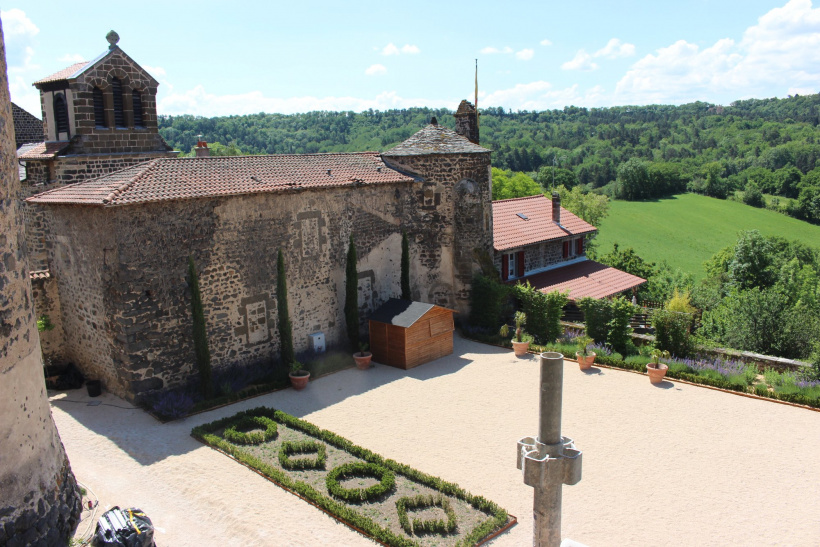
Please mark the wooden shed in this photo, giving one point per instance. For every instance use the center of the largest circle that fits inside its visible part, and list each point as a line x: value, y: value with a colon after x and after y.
x: 406, y: 334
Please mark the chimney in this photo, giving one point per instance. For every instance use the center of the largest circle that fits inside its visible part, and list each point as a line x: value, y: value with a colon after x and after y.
x: 556, y: 208
x: 467, y: 121
x: 202, y: 150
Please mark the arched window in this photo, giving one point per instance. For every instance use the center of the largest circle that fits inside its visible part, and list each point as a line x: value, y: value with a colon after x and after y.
x: 119, y: 115
x: 60, y: 113
x: 99, y: 108
x: 136, y: 102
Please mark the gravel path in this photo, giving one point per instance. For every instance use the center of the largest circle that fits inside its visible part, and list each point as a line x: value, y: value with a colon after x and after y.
x: 670, y: 465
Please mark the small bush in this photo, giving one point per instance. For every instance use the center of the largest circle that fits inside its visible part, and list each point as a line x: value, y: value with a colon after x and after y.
x: 241, y: 431
x: 487, y: 302
x: 543, y: 312
x: 386, y: 478
x: 672, y: 331
x: 289, y: 448
x: 436, y: 526
x: 172, y: 405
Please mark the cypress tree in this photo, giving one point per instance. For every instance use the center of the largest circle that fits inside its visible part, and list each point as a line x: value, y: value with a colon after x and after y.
x: 285, y: 326
x: 352, y: 297
x: 203, y: 354
x: 405, y: 267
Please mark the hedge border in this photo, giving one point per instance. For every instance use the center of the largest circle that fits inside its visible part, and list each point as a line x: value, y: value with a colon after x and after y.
x: 435, y: 526
x: 498, y: 522
x: 386, y: 478
x: 237, y: 433
x: 290, y: 448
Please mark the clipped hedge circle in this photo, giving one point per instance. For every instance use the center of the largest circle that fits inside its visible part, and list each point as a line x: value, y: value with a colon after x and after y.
x: 240, y: 431
x: 418, y: 526
x: 386, y: 478
x: 289, y: 448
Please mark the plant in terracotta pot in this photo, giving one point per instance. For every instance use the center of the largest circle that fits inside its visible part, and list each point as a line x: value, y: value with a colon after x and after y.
x: 298, y: 375
x: 521, y: 340
x: 585, y: 357
x: 655, y: 368
x: 363, y: 357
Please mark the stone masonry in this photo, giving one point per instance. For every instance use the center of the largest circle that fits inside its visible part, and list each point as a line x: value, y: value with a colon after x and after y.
x: 27, y: 128
x: 39, y: 501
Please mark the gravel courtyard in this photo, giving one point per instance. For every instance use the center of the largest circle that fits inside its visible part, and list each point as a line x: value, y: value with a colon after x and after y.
x: 668, y: 465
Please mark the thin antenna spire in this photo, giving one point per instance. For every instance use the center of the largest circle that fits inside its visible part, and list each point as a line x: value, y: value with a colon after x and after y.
x: 476, y: 95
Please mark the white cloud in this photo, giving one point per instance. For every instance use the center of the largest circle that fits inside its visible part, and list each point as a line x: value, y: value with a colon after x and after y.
x: 372, y: 70
x: 541, y: 95
x: 615, y: 49
x: 781, y: 52
x: 390, y: 49
x: 160, y: 75
x: 71, y: 58
x: 546, y: 42
x: 16, y: 23
x: 524, y: 54
x: 581, y: 61
x: 198, y: 102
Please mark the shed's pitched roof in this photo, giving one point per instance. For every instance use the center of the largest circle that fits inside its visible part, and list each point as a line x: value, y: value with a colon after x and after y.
x: 511, y: 231
x: 166, y: 179
x: 435, y: 139
x: 63, y: 74
x: 586, y: 278
x: 401, y: 313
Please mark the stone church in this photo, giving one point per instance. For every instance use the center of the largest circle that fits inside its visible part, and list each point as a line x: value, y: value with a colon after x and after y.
x: 113, y: 215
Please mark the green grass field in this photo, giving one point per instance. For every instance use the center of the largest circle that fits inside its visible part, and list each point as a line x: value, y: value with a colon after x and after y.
x: 687, y: 229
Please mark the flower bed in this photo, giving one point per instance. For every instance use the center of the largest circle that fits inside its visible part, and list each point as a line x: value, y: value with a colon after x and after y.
x: 358, y: 487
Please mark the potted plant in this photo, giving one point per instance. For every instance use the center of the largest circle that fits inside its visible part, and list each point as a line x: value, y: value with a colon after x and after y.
x: 298, y: 376
x: 655, y: 368
x: 584, y: 357
x: 521, y: 340
x: 363, y: 357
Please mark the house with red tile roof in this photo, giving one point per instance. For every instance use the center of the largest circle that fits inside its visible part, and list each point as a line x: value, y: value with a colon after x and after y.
x: 537, y: 241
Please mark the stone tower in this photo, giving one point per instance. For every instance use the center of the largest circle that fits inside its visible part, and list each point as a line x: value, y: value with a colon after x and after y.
x: 467, y: 121
x: 39, y: 502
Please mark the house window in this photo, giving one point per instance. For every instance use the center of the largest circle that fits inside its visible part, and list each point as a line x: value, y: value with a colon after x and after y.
x: 512, y: 265
x: 136, y: 101
x: 579, y: 246
x: 566, y: 249
x: 99, y: 108
x: 119, y: 114
x: 60, y: 114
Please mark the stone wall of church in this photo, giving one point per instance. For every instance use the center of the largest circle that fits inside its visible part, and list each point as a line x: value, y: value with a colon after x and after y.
x: 134, y: 289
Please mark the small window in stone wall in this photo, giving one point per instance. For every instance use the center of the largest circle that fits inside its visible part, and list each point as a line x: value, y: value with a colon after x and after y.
x: 257, y: 317
x: 136, y: 102
x: 99, y: 108
x: 119, y: 114
x: 60, y: 113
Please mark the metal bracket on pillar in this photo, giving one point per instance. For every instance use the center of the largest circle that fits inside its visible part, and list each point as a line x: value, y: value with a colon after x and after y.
x: 550, y: 460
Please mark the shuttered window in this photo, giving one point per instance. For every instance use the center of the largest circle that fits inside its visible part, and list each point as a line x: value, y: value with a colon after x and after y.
x: 566, y: 249
x: 519, y: 269
x: 505, y: 268
x: 136, y: 101
x: 60, y: 113
x: 99, y: 108
x: 119, y: 115
x: 579, y: 246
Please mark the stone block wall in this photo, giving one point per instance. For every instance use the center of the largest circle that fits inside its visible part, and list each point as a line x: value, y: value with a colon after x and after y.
x: 540, y: 255
x: 46, y: 298
x: 27, y: 128
x: 39, y: 502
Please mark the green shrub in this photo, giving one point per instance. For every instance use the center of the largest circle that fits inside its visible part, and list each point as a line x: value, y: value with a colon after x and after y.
x: 672, y: 331
x: 285, y: 328
x: 386, y: 478
x: 487, y: 302
x: 762, y: 390
x: 543, y: 312
x: 405, y: 267
x: 241, y: 431
x: 200, y: 334
x: 289, y: 448
x: 418, y: 526
x: 352, y: 296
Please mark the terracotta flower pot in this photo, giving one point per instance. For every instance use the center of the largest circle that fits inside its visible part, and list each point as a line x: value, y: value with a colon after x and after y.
x: 362, y: 359
x: 299, y: 381
x: 520, y: 348
x: 656, y: 374
x: 585, y: 361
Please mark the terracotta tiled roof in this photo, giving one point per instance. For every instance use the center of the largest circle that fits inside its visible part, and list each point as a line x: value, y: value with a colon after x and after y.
x: 165, y: 179
x: 510, y: 230
x: 587, y: 278
x: 435, y: 139
x: 44, y: 150
x: 62, y: 74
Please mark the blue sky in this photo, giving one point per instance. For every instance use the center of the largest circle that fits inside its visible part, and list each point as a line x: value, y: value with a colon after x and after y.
x: 221, y: 58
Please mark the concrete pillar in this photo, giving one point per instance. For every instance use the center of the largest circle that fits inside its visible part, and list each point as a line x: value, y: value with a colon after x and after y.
x: 550, y: 460
x: 39, y: 502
